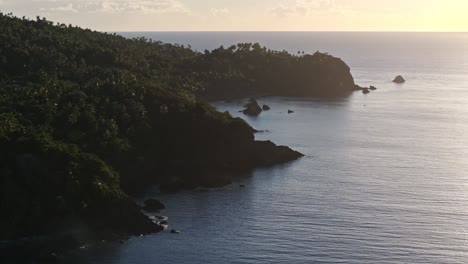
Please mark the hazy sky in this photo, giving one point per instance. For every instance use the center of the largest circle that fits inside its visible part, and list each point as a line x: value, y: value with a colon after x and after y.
x: 250, y: 15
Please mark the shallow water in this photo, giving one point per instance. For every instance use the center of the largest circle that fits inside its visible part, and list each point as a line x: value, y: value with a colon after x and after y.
x: 384, y: 180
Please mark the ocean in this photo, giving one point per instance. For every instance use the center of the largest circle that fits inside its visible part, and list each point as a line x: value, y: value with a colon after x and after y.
x: 384, y: 180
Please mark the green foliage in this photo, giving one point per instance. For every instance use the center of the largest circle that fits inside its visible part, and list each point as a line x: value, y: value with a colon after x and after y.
x: 44, y: 180
x: 84, y: 114
x: 250, y: 69
x: 76, y: 106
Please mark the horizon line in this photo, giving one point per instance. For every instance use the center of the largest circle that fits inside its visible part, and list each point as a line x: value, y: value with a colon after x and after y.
x: 281, y: 31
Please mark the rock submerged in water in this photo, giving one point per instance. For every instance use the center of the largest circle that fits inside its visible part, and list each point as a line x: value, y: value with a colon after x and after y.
x: 252, y: 108
x: 153, y: 205
x: 265, y: 108
x: 365, y: 90
x: 399, y: 79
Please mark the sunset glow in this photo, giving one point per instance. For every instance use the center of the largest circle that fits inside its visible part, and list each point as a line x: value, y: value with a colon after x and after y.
x: 243, y: 15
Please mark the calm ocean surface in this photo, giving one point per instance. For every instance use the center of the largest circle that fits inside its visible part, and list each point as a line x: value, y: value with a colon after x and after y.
x: 384, y: 180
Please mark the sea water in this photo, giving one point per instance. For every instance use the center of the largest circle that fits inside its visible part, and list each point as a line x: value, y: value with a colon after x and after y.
x: 384, y: 179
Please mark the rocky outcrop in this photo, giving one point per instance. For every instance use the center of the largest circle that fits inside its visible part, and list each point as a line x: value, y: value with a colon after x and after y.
x: 153, y: 205
x: 399, y: 79
x: 266, y: 153
x: 365, y: 90
x: 265, y: 108
x: 242, y: 159
x: 252, y: 108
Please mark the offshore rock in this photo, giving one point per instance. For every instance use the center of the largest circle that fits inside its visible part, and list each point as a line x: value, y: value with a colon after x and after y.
x: 399, y: 79
x: 252, y: 108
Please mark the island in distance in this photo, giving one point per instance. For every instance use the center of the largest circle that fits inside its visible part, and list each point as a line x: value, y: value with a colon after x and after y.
x: 90, y: 118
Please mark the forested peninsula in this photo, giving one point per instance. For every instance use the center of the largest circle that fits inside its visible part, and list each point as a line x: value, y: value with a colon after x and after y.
x: 87, y: 118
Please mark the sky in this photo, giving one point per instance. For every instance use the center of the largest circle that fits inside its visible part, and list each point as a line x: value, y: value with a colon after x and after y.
x: 250, y: 15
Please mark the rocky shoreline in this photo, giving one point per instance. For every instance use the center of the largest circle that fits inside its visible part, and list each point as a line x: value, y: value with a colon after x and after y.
x: 128, y: 219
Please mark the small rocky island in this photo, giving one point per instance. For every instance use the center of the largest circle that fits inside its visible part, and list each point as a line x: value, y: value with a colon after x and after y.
x: 399, y: 79
x: 252, y: 108
x: 365, y: 90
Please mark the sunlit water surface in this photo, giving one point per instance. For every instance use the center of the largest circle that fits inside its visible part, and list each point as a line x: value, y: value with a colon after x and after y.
x: 384, y: 180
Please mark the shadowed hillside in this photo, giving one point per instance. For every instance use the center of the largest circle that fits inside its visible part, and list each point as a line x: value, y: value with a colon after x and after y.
x: 87, y: 117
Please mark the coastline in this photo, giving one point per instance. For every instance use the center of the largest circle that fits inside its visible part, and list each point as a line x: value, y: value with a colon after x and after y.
x: 82, y: 132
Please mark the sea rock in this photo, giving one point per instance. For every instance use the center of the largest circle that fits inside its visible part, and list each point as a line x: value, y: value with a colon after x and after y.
x: 399, y: 79
x: 365, y: 90
x: 173, y: 231
x: 266, y: 153
x: 265, y: 108
x: 152, y: 205
x: 290, y: 111
x: 252, y: 108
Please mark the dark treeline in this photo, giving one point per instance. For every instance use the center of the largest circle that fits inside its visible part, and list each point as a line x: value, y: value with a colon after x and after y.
x: 87, y: 117
x: 252, y: 70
